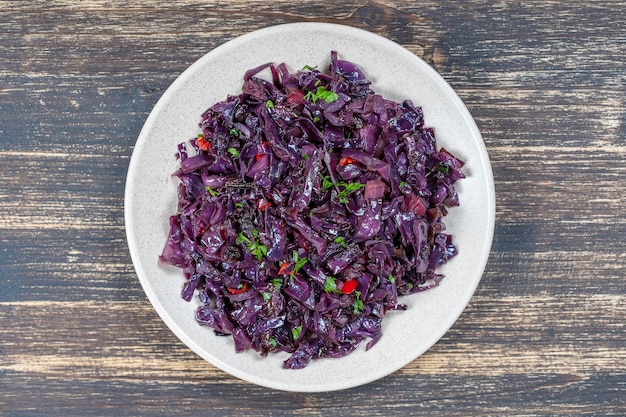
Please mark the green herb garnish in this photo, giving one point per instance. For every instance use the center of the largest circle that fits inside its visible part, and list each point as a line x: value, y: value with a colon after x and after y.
x: 347, y: 187
x: 358, y: 303
x: 321, y: 94
x: 299, y: 262
x: 443, y: 167
x: 233, y: 152
x: 273, y: 342
x: 295, y: 332
x: 330, y: 285
x: 234, y: 132
x: 277, y: 283
x: 347, y: 190
x: 341, y: 241
x: 257, y: 249
x: 241, y: 238
x: 308, y: 67
x: 211, y: 191
x: 326, y: 182
x: 269, y: 104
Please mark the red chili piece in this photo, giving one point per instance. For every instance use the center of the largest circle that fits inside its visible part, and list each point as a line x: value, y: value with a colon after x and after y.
x: 242, y: 288
x: 345, y: 161
x: 349, y: 286
x: 283, y: 268
x: 203, y: 143
x: 262, y: 204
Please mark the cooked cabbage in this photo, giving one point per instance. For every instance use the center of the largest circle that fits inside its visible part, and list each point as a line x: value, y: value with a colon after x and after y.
x: 306, y: 206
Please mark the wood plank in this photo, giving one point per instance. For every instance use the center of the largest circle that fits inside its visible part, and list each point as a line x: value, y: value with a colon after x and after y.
x: 563, y: 359
x: 474, y: 346
x: 547, y: 395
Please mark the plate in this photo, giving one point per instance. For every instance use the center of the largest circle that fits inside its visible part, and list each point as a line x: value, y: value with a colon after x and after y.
x: 395, y: 73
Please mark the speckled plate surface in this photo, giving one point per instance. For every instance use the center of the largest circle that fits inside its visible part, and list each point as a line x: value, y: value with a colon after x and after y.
x: 396, y: 74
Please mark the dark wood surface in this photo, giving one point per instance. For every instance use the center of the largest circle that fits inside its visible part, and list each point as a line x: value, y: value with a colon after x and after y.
x: 545, y: 332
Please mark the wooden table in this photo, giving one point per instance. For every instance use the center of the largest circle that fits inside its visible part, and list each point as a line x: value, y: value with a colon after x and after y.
x: 544, y: 333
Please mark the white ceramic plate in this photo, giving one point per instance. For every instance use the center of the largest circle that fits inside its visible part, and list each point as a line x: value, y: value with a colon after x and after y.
x: 396, y: 74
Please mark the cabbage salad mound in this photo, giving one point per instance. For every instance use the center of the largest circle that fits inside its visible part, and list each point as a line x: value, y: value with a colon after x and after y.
x: 306, y: 206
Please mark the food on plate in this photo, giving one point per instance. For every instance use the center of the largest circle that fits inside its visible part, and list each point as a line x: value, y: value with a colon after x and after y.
x: 307, y: 204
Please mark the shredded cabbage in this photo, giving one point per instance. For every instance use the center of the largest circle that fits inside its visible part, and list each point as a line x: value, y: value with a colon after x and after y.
x: 306, y: 206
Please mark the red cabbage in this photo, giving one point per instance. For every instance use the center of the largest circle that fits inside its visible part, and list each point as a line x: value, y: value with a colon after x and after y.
x: 306, y: 206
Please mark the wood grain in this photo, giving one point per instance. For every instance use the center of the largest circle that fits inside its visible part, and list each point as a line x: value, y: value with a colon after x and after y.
x: 544, y: 334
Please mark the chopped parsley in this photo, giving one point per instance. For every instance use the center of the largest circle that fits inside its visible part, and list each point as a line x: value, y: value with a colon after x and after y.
x: 211, y: 191
x: 277, y: 283
x: 257, y: 249
x: 347, y: 190
x: 358, y: 303
x: 326, y: 182
x: 273, y: 342
x: 341, y: 241
x: 347, y: 187
x: 295, y: 332
x: 330, y: 285
x: 299, y: 262
x: 321, y: 94
x: 241, y: 238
